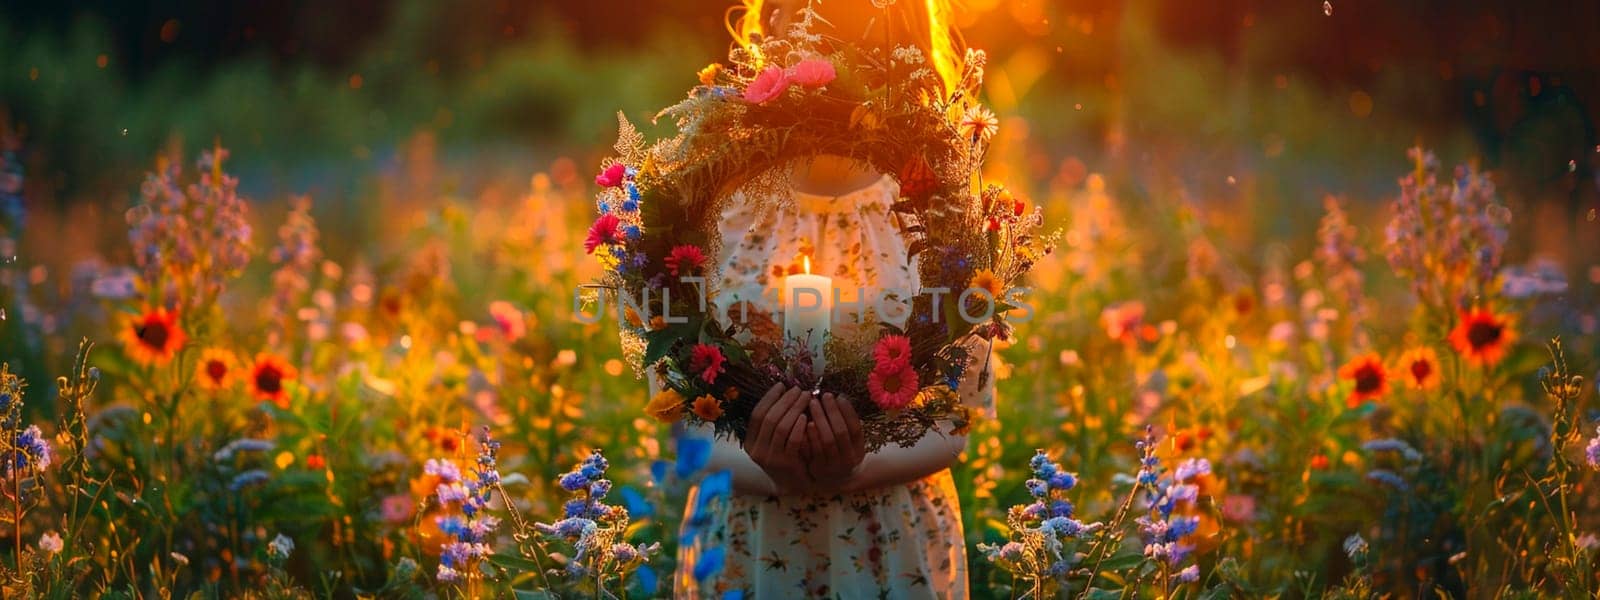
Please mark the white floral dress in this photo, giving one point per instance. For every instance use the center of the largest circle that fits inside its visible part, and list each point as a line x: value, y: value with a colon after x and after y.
x: 902, y: 541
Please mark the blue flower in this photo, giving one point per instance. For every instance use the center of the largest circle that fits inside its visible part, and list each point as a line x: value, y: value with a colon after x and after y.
x: 636, y: 503
x: 710, y: 563
x: 693, y: 454
x: 605, y: 207
x: 633, y: 196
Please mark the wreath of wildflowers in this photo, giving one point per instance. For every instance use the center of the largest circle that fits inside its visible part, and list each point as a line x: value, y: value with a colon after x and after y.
x: 776, y: 102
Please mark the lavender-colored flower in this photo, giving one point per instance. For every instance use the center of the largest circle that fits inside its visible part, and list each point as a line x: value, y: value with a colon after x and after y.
x: 199, y: 232
x: 469, y: 531
x: 1042, y: 528
x: 593, y: 528
x: 1164, y: 530
x: 1441, y: 230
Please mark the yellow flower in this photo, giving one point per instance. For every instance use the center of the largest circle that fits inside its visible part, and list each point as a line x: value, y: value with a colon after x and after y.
x: 666, y: 406
x: 986, y: 280
x: 708, y: 408
x: 708, y: 75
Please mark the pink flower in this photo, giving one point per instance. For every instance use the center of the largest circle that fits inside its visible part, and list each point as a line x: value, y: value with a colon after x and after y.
x: 812, y: 72
x: 892, y: 350
x: 1239, y: 508
x: 769, y: 84
x: 612, y: 176
x: 893, y: 387
x: 509, y: 320
x: 706, y: 360
x: 686, y: 258
x: 604, y: 231
x: 397, y: 509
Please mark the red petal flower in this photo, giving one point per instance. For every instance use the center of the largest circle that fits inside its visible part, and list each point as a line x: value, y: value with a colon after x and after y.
x: 612, y: 176
x: 686, y: 258
x: 706, y: 361
x: 604, y: 231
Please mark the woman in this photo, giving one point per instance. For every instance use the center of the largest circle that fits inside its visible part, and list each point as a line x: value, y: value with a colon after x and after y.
x: 814, y: 514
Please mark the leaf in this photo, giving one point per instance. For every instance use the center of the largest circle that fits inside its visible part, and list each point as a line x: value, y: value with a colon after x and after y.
x: 1119, y: 563
x: 515, y: 563
x: 658, y: 343
x: 532, y: 594
x: 1103, y: 594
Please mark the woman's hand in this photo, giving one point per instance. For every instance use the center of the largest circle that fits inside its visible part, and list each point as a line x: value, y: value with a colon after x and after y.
x: 834, y: 441
x: 776, y: 436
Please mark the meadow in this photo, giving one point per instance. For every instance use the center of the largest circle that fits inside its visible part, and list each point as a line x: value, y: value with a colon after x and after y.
x: 1230, y: 389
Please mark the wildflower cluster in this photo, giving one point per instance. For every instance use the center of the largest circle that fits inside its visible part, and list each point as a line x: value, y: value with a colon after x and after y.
x: 296, y: 256
x: 1446, y: 237
x: 1591, y: 452
x: 24, y: 451
x: 188, y: 240
x: 1168, y: 526
x: 1042, y: 530
x: 595, y: 530
x: 468, y: 530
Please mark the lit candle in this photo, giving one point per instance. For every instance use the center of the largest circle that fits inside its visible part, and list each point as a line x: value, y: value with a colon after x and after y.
x: 807, y: 311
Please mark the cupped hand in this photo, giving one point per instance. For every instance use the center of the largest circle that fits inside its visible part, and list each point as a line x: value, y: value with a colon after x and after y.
x: 776, y: 437
x: 834, y: 441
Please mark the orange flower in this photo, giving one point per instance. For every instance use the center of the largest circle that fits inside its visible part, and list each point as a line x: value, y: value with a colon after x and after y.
x: 1419, y: 368
x: 215, y: 370
x: 708, y: 407
x: 986, y: 280
x: 666, y: 406
x: 1482, y: 336
x: 154, y: 337
x: 267, y: 378
x: 1372, y: 381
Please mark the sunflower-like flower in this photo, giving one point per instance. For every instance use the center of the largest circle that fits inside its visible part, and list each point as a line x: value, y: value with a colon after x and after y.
x: 153, y: 337
x: 1482, y: 336
x: 216, y: 369
x: 268, y: 376
x: 1419, y: 368
x: 1372, y: 380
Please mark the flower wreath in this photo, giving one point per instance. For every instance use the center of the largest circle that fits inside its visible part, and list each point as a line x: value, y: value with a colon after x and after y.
x: 785, y: 100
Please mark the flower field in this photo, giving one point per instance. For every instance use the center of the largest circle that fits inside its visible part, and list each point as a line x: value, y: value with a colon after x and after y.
x: 381, y: 391
x: 245, y: 416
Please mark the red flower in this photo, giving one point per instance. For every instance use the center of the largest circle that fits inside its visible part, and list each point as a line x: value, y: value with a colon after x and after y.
x: 604, y: 231
x: 267, y: 378
x: 892, y: 350
x: 1372, y: 381
x: 611, y: 176
x: 812, y: 72
x: 153, y: 337
x: 706, y: 360
x: 1482, y: 337
x: 769, y: 84
x: 893, y: 387
x: 687, y: 257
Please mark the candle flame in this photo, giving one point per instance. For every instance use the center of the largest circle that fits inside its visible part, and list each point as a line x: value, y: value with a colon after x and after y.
x: 807, y: 261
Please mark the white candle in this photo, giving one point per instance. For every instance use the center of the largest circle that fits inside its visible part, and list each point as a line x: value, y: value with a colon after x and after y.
x: 807, y: 311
